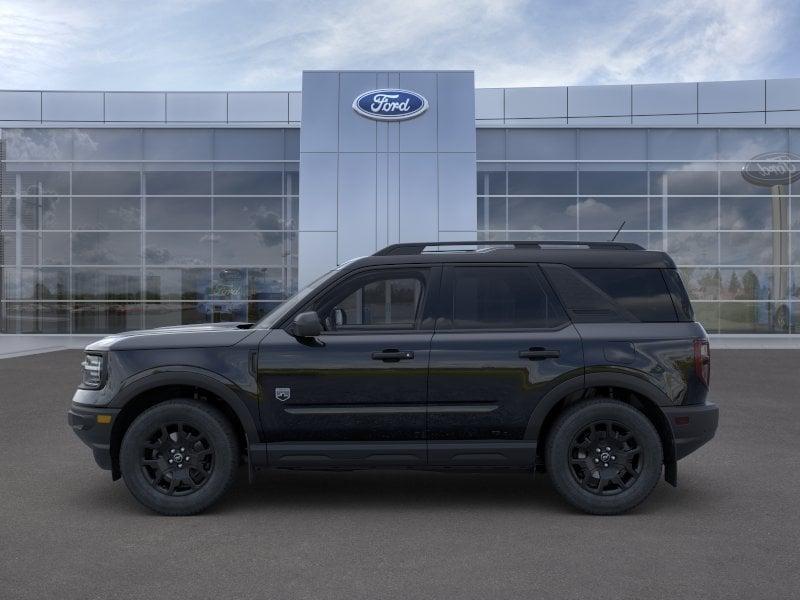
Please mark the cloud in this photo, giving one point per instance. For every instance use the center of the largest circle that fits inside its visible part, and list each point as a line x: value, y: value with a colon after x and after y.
x: 209, y: 44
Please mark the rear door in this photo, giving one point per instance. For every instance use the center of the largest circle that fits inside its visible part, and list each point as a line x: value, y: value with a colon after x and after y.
x: 502, y: 342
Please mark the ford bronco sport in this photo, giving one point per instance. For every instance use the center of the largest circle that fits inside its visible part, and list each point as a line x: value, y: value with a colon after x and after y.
x: 579, y: 359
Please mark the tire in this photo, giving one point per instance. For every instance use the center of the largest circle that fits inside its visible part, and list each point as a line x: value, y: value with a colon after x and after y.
x: 190, y: 431
x: 603, y: 456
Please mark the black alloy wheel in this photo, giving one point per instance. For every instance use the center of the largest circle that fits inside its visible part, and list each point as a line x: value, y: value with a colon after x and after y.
x: 177, y: 459
x: 605, y: 458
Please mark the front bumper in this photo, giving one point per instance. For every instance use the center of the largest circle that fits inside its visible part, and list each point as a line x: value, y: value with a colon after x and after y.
x: 94, y: 432
x: 692, y: 426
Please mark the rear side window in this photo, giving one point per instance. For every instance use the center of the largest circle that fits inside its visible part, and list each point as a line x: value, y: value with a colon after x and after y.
x: 498, y: 297
x: 642, y: 292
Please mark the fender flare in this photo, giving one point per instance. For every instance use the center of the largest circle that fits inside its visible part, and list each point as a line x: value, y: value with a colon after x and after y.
x: 194, y: 377
x: 643, y: 388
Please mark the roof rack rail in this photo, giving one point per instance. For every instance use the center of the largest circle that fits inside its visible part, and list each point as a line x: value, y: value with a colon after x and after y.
x: 419, y: 247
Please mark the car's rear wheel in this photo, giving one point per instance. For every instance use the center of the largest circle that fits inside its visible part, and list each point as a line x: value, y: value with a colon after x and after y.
x: 603, y: 456
x: 179, y: 457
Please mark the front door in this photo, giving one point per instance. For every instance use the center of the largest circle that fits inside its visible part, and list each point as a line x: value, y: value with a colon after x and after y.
x: 502, y: 344
x: 358, y: 392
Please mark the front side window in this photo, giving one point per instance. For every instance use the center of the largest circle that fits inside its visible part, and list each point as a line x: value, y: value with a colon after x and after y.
x: 498, y: 297
x: 385, y: 301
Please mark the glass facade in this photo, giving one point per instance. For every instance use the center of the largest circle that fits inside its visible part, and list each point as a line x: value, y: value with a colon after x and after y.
x: 684, y: 191
x: 105, y: 230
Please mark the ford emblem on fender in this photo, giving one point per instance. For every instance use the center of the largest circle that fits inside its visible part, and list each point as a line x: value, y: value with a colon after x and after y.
x: 390, y: 105
x: 772, y: 168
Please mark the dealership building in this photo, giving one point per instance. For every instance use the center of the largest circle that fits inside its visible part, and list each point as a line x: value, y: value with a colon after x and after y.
x: 125, y: 210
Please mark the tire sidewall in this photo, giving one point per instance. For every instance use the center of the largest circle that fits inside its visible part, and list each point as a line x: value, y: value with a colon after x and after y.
x: 560, y: 441
x: 205, y: 419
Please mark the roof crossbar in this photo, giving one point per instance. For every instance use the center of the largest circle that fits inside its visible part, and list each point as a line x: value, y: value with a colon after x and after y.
x: 419, y: 247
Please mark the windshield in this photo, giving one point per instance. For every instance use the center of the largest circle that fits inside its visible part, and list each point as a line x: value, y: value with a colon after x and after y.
x: 293, y: 302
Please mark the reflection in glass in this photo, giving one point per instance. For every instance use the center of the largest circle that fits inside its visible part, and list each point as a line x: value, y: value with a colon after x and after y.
x: 117, y: 183
x: 692, y: 213
x: 746, y: 248
x: 541, y: 182
x: 752, y: 283
x: 612, y: 182
x: 248, y: 213
x: 158, y: 314
x: 754, y: 317
x: 701, y: 283
x: 750, y: 213
x: 492, y: 213
x: 106, y: 248
x: 694, y: 248
x: 48, y: 248
x: 248, y: 182
x: 36, y: 182
x: 683, y: 182
x: 609, y: 213
x: 44, y: 212
x: 183, y: 183
x: 178, y: 248
x: 173, y: 212
x: 107, y: 284
x: 90, y: 212
x: 542, y: 213
x: 177, y: 284
x: 264, y: 248
x: 100, y: 317
x: 45, y: 317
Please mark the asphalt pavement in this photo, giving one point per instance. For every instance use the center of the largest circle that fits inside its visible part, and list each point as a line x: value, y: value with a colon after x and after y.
x: 730, y: 529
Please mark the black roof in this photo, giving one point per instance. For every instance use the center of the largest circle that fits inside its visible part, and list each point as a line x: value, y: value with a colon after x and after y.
x: 573, y: 254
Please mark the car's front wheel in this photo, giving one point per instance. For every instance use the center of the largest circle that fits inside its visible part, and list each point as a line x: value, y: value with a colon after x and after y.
x: 603, y: 456
x: 179, y: 457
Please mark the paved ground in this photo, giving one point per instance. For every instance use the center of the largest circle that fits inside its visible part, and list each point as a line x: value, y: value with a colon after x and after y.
x: 730, y: 530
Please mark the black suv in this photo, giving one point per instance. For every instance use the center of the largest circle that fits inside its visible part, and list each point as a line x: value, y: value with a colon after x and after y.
x: 581, y: 359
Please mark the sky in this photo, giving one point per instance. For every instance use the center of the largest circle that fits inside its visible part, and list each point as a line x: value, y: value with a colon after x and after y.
x: 265, y: 45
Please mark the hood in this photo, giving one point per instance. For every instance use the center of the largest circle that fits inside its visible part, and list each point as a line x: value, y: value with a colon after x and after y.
x: 182, y: 336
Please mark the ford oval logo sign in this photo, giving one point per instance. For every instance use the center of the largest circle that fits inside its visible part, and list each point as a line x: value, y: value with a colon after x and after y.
x: 772, y: 168
x: 390, y: 105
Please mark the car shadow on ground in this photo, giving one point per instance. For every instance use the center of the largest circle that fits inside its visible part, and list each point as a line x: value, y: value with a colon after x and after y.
x: 390, y: 490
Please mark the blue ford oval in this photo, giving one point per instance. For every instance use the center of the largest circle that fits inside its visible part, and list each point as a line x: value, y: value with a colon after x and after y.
x: 390, y: 105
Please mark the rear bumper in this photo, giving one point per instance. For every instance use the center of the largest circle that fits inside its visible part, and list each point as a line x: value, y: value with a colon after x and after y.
x: 96, y: 435
x: 692, y: 426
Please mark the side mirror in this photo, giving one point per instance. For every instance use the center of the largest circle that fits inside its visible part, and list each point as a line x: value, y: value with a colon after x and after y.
x: 306, y: 325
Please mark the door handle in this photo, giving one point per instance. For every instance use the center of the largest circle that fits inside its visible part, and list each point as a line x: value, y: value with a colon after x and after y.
x: 538, y: 353
x: 392, y: 355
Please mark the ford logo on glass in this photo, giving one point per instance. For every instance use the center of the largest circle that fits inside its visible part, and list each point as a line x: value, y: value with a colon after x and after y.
x: 390, y: 105
x: 772, y: 168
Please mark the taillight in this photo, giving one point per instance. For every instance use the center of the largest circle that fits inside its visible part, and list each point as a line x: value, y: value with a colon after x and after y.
x: 702, y: 360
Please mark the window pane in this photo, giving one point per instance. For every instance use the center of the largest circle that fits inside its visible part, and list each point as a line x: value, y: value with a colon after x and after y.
x: 45, y: 317
x: 248, y: 144
x: 248, y: 182
x: 38, y: 144
x: 492, y: 182
x: 732, y: 182
x: 748, y: 284
x: 248, y: 213
x: 701, y: 283
x: 692, y: 248
x: 682, y: 144
x: 491, y: 213
x: 158, y: 314
x: 542, y: 213
x: 178, y: 248
x: 99, y: 317
x: 490, y: 144
x: 108, y: 144
x: 45, y: 212
x: 612, y: 144
x: 177, y: 144
x: 748, y: 213
x: 609, y: 213
x: 383, y: 302
x: 751, y: 248
x: 36, y: 183
x: 36, y: 284
x: 692, y: 213
x: 45, y: 248
x: 542, y: 182
x: 106, y: 248
x: 613, y: 182
x: 643, y: 292
x: 752, y: 317
x: 541, y: 144
x: 684, y: 183
x: 250, y: 248
x: 168, y: 183
x: 106, y: 213
x: 178, y: 213
x: 501, y: 297
x: 177, y: 284
x: 249, y: 284
x: 118, y: 183
x: 746, y: 143
x: 107, y: 284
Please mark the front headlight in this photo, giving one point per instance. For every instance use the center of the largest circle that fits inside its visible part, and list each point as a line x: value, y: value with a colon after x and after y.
x: 92, y: 372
